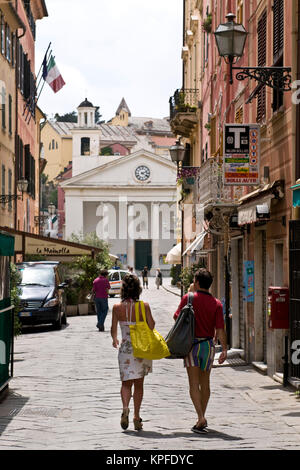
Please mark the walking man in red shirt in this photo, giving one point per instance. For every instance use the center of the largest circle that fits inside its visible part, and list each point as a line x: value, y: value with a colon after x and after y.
x: 101, y: 287
x: 209, y: 320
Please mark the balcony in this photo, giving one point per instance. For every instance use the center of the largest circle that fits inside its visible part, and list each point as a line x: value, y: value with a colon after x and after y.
x: 183, y: 111
x: 211, y: 191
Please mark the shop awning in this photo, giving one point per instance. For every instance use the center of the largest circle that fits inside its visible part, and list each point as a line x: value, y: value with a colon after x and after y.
x: 174, y: 255
x: 197, y: 244
x: 296, y: 195
x: 7, y: 243
x: 260, y: 198
x: 56, y: 249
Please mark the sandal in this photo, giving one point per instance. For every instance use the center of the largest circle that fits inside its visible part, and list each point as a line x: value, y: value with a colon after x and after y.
x: 138, y: 426
x: 200, y: 429
x: 124, y: 418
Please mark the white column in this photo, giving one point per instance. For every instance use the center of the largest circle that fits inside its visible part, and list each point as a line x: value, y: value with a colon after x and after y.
x: 155, y: 231
x: 130, y: 239
x: 74, y: 215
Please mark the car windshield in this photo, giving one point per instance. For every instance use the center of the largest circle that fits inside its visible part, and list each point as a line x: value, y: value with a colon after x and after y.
x: 37, y: 276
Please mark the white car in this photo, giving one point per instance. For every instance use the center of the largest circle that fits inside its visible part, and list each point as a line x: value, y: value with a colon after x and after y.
x: 115, y: 278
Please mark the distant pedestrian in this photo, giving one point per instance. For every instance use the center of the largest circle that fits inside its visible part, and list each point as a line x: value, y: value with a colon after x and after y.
x: 132, y: 271
x: 208, y: 320
x: 145, y: 277
x: 158, y: 278
x: 101, y: 287
x: 132, y: 369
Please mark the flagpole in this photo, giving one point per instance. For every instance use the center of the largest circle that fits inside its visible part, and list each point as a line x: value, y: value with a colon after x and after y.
x: 43, y: 60
x: 48, y: 60
x: 43, y: 83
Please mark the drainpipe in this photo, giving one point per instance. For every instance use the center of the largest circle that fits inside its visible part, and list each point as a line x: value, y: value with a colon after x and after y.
x: 183, y: 43
x: 297, y: 165
x: 17, y: 58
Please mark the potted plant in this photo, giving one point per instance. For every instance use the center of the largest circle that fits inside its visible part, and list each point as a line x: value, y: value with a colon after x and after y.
x: 207, y: 23
x: 72, y: 301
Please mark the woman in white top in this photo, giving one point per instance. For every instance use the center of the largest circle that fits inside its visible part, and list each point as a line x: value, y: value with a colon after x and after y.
x: 132, y: 369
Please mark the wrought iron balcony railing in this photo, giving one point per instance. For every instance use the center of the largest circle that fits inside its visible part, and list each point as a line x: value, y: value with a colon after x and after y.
x: 183, y: 101
x: 210, y: 186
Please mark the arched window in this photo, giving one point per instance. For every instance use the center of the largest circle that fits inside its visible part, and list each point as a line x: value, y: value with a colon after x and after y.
x: 85, y: 146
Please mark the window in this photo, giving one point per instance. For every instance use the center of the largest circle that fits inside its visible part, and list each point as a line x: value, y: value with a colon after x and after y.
x: 3, y: 99
x: 278, y: 46
x: 10, y: 114
x: 10, y: 188
x: 3, y: 182
x: 262, y: 59
x: 2, y: 35
x: 8, y: 42
x: 240, y: 11
x: 53, y: 144
x: 13, y: 50
x: 20, y: 156
x: 85, y: 146
x: 239, y: 115
x: 213, y: 135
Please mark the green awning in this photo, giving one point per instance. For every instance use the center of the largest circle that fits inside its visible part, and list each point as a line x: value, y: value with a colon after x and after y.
x: 7, y: 245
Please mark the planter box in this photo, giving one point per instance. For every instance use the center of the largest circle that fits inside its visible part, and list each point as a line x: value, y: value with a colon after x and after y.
x: 83, y: 309
x: 72, y: 310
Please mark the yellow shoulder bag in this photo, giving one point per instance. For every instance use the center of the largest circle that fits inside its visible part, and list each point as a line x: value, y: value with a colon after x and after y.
x: 146, y: 343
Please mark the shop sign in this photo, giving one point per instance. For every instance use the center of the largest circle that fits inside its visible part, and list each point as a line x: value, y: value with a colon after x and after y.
x: 248, y: 281
x: 41, y: 247
x: 241, y: 154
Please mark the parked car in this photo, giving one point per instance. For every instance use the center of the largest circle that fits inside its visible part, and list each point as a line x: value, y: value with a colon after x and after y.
x: 115, y: 278
x: 43, y: 298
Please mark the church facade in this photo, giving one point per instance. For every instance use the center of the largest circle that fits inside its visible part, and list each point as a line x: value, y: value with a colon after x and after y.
x: 128, y: 199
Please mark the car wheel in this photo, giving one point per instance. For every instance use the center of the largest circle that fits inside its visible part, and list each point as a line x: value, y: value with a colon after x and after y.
x: 111, y: 295
x: 64, y: 319
x: 57, y: 324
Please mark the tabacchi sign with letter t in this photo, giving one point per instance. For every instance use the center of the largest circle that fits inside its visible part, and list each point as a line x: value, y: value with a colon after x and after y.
x: 241, y: 154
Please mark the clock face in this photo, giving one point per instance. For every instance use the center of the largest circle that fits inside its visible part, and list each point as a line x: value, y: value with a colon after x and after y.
x: 142, y: 173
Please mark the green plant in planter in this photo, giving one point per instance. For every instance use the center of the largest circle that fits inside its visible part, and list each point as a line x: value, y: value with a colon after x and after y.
x: 87, y: 268
x: 15, y: 294
x: 187, y: 276
x: 207, y: 23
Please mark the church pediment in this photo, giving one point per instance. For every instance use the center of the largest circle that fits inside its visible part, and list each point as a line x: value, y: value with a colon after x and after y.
x: 141, y: 168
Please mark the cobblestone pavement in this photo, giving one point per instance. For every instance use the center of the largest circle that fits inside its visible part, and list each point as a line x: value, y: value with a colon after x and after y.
x: 65, y: 395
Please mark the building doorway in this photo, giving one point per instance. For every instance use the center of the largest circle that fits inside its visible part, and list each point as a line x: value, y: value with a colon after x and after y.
x: 143, y: 254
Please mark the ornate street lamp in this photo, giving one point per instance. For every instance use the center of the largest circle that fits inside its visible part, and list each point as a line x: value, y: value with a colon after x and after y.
x: 22, y: 186
x: 231, y: 39
x: 177, y: 152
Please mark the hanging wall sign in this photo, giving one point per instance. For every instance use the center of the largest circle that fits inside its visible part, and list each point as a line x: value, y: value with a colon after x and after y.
x: 241, y: 154
x: 248, y: 281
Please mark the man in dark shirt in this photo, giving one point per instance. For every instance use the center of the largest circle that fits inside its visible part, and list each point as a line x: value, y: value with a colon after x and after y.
x: 101, y: 287
x: 209, y: 320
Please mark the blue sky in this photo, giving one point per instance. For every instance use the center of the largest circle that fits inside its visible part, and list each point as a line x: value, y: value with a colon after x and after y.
x: 109, y: 49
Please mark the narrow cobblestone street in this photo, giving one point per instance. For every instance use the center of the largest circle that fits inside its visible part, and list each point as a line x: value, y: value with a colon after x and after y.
x: 66, y: 395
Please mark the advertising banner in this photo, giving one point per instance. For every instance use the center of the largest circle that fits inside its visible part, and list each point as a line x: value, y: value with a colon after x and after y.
x: 241, y: 154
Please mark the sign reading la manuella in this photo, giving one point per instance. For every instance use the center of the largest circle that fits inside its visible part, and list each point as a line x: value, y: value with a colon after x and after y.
x: 41, y: 247
x: 241, y: 154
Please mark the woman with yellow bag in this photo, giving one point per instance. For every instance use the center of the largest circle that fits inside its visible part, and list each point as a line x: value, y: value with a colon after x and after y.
x: 132, y: 368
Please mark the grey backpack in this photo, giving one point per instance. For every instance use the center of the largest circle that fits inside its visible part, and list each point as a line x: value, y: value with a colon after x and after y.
x: 181, y: 336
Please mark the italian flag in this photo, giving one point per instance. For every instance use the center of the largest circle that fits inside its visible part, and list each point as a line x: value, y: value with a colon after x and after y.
x: 52, y: 75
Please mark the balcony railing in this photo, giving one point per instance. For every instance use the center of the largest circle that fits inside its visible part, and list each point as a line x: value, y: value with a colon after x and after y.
x: 183, y: 101
x: 210, y: 186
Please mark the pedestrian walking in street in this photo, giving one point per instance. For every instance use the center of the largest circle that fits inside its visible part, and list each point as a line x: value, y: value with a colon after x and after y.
x: 101, y: 287
x: 158, y: 278
x: 132, y: 369
x: 209, y: 319
x: 131, y: 270
x: 145, y: 277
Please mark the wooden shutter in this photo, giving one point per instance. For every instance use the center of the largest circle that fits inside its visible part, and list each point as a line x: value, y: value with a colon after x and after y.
x: 261, y: 62
x: 278, y: 30
x: 213, y: 135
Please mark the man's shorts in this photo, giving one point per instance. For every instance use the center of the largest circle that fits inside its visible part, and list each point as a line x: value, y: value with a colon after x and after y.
x: 202, y: 354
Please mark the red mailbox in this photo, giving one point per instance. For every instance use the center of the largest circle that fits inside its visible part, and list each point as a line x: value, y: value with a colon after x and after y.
x: 278, y: 307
